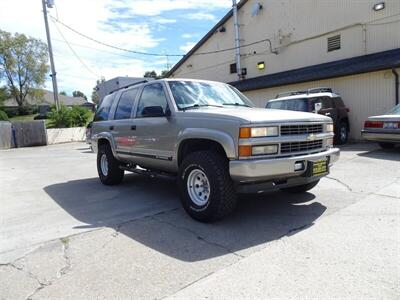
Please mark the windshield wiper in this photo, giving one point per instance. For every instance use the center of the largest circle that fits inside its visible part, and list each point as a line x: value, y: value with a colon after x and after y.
x: 236, y: 104
x: 199, y: 105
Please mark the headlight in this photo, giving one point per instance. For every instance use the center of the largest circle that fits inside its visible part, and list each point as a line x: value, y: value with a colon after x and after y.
x: 263, y: 150
x: 329, y: 127
x: 247, y: 132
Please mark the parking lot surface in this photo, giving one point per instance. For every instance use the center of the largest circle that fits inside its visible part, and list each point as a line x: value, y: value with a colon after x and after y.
x: 64, y: 235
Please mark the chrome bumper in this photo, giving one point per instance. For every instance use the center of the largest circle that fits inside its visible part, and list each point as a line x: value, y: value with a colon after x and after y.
x: 381, y: 137
x: 266, y: 169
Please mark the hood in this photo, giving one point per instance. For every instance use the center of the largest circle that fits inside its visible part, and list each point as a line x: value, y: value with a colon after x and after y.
x: 256, y: 115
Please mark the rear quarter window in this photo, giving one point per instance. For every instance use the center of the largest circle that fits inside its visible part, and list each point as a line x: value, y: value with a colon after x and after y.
x: 104, y: 109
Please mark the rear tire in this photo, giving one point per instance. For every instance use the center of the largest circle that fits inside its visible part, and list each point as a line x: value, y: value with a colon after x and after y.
x: 301, y: 188
x: 108, y: 167
x: 386, y: 145
x: 342, y: 134
x: 206, y: 188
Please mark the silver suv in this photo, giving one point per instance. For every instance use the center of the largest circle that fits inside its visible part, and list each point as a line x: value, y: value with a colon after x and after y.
x: 213, y: 139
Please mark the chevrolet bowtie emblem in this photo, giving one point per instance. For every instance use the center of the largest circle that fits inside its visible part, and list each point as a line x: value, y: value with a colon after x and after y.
x: 312, y: 137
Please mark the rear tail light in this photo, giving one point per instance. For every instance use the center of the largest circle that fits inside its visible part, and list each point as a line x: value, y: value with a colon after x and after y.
x: 373, y: 124
x: 348, y: 110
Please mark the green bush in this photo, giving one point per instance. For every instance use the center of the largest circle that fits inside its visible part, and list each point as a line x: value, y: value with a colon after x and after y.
x: 3, y: 116
x: 61, y: 118
x: 76, y: 116
x: 80, y: 116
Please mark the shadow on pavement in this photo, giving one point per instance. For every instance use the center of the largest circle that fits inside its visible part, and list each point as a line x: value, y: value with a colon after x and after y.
x: 385, y: 154
x: 148, y: 211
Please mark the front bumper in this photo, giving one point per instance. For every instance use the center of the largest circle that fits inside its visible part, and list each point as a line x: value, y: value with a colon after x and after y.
x: 257, y: 170
x: 381, y: 136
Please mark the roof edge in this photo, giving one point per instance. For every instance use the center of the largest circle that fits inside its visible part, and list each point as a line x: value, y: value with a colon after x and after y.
x: 205, y: 38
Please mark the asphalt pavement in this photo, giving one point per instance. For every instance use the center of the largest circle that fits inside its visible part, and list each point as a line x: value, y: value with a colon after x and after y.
x: 64, y: 235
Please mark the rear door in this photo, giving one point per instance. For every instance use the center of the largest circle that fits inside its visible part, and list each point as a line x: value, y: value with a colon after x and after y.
x: 328, y: 108
x: 123, y: 127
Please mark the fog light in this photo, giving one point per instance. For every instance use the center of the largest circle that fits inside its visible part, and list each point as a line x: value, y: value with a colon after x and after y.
x: 263, y: 150
x: 299, y: 166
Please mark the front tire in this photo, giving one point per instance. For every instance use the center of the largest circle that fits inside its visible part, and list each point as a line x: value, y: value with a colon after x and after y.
x: 108, y: 167
x: 301, y: 188
x: 206, y: 188
x: 386, y: 145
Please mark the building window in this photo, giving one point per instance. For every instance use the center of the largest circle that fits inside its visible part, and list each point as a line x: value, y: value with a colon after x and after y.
x: 334, y: 43
x: 232, y: 68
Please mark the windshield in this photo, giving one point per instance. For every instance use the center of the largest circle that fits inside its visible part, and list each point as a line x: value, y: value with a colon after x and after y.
x: 394, y: 111
x: 192, y: 94
x: 292, y: 104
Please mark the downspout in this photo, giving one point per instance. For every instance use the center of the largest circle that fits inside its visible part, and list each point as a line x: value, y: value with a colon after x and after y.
x: 237, y: 39
x: 396, y: 87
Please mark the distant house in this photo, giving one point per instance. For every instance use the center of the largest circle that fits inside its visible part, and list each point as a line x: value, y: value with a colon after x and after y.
x: 47, y: 100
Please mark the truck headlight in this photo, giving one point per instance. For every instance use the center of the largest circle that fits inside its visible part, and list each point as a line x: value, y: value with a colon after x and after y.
x: 264, y: 150
x: 329, y: 127
x: 255, y: 132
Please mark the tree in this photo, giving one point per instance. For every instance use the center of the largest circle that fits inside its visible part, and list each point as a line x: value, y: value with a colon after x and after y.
x: 23, y: 65
x: 64, y: 93
x: 79, y: 94
x: 4, y: 95
x: 153, y: 74
x: 95, y: 94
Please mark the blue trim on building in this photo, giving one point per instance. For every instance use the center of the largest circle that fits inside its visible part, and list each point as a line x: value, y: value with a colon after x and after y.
x: 345, y: 67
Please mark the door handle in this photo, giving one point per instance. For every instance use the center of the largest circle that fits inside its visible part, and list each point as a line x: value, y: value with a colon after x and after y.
x: 133, y: 127
x: 111, y: 127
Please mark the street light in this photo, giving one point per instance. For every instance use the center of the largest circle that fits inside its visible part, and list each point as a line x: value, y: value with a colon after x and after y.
x: 50, y: 4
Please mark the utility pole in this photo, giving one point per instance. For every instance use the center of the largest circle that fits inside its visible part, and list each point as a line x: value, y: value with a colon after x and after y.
x: 49, y: 3
x: 237, y: 39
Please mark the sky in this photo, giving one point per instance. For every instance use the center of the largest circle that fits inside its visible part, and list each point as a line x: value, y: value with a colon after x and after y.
x: 152, y: 26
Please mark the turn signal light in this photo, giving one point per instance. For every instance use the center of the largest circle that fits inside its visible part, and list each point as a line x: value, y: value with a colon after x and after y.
x: 244, y: 150
x: 373, y: 124
x: 245, y: 133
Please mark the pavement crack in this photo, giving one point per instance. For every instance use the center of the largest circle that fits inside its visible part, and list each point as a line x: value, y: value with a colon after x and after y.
x: 65, y: 253
x: 192, y: 232
x: 341, y: 182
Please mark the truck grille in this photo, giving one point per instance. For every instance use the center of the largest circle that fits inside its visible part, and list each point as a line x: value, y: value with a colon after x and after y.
x: 301, y: 129
x: 300, y: 146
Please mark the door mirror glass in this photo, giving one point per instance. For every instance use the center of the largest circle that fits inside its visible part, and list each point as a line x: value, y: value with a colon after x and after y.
x: 317, y: 107
x: 153, y: 111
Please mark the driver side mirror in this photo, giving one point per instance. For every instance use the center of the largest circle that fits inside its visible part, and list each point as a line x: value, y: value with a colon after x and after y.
x: 317, y: 107
x: 153, y: 111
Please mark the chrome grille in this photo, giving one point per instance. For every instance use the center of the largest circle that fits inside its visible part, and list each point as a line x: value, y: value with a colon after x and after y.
x: 301, y: 129
x: 300, y: 146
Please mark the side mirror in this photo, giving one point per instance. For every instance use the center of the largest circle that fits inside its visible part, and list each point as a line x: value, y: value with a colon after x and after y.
x: 153, y: 111
x: 317, y: 107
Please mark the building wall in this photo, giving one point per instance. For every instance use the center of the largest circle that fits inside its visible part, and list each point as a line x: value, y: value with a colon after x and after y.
x: 365, y: 95
x: 299, y: 31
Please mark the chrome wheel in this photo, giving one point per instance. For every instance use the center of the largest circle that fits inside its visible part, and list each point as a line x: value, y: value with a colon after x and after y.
x: 104, y: 164
x: 198, y: 187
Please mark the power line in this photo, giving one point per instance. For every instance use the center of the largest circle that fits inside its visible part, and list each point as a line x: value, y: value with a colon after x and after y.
x: 160, y: 54
x: 73, y: 51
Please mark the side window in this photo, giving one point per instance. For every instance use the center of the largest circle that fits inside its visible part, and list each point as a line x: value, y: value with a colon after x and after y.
x: 325, y: 101
x: 152, y: 95
x: 339, y: 102
x: 104, y: 109
x: 125, y: 104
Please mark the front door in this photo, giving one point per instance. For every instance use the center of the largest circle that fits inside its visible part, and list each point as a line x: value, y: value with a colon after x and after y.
x: 155, y: 134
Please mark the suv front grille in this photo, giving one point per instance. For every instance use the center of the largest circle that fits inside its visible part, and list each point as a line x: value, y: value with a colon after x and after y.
x: 300, y: 146
x: 301, y: 129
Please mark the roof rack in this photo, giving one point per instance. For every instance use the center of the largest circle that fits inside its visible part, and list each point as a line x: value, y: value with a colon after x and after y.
x: 309, y: 91
x: 291, y: 93
x: 319, y: 90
